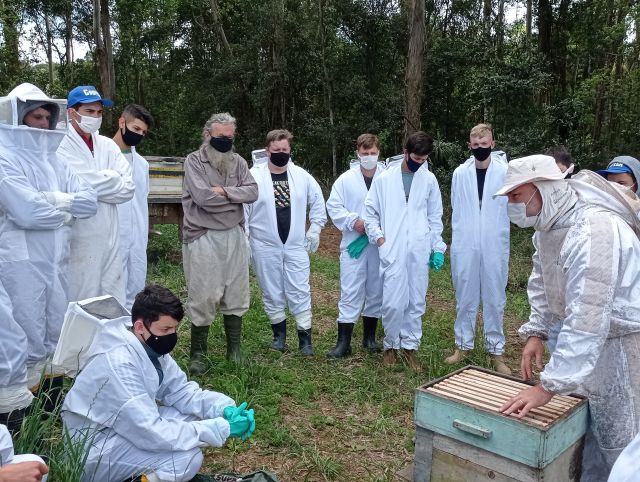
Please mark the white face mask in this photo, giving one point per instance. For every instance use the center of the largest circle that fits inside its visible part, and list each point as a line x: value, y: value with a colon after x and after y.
x: 517, y: 213
x: 89, y: 124
x: 368, y: 162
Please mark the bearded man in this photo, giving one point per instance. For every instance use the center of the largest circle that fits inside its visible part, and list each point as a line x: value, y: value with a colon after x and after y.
x: 217, y: 182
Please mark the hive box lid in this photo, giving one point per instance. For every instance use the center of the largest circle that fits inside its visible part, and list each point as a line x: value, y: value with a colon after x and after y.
x: 464, y: 405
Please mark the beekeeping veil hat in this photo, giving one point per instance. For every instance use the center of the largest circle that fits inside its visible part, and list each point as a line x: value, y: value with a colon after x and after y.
x: 26, y: 98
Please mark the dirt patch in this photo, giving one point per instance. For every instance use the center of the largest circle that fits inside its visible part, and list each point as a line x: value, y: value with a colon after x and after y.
x: 330, y: 238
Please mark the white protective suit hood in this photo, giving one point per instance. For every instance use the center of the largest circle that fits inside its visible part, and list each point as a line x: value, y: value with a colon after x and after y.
x: 557, y: 198
x: 16, y: 136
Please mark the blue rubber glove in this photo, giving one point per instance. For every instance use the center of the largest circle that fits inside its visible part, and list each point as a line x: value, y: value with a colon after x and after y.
x: 357, y: 246
x: 436, y: 261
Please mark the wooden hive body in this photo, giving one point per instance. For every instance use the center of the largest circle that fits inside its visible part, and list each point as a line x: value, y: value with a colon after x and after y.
x: 462, y: 437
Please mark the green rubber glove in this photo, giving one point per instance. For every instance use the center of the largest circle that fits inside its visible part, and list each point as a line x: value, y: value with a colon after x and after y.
x: 436, y: 261
x: 241, y: 421
x: 357, y: 246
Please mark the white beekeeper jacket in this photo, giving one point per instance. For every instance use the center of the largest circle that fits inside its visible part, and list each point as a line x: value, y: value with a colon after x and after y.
x: 95, y: 267
x: 479, y: 252
x: 412, y: 230
x: 586, y: 274
x: 133, y: 217
x: 34, y: 233
x: 118, y: 391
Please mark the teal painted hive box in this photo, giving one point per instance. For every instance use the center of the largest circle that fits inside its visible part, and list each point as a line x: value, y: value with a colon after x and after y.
x: 462, y: 437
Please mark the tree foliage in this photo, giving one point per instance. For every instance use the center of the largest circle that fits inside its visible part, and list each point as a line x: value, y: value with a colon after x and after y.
x: 329, y: 70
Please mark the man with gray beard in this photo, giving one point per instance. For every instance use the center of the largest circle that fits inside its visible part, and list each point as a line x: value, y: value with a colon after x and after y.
x: 217, y: 182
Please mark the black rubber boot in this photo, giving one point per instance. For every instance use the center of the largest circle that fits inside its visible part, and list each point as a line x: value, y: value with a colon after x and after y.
x: 343, y: 345
x: 304, y: 342
x: 369, y: 325
x: 199, y: 340
x: 13, y: 420
x: 50, y: 393
x: 279, y: 336
x: 233, y: 332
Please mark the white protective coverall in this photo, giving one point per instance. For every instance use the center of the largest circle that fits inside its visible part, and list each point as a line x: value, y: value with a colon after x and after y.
x: 479, y: 252
x: 283, y: 269
x: 7, y: 456
x: 34, y: 234
x: 112, y: 409
x: 412, y: 230
x: 360, y: 280
x: 627, y: 467
x: 95, y: 268
x: 133, y: 217
x: 586, y: 274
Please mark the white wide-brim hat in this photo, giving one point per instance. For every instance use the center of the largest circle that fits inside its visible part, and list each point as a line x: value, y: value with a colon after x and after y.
x: 530, y: 169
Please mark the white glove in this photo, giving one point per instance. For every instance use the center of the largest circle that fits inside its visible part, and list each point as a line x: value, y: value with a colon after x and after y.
x: 68, y: 219
x: 214, y: 431
x: 59, y: 200
x: 312, y: 238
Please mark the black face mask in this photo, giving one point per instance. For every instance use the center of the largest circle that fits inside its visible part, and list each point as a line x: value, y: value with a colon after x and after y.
x: 131, y: 138
x: 481, y: 153
x: 221, y: 144
x: 280, y: 159
x: 161, y: 344
x: 413, y: 165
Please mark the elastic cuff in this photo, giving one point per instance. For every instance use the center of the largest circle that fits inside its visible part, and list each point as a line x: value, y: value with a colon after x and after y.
x: 303, y: 320
x: 277, y: 318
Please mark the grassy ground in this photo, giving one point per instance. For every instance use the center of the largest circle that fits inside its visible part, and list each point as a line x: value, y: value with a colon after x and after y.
x: 330, y: 420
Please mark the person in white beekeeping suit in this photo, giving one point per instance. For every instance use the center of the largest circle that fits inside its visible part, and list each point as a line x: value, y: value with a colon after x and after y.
x: 404, y: 218
x: 19, y: 468
x: 95, y: 268
x: 480, y: 247
x: 132, y: 407
x: 279, y: 245
x: 360, y: 281
x: 586, y: 274
x: 133, y: 215
x: 40, y: 198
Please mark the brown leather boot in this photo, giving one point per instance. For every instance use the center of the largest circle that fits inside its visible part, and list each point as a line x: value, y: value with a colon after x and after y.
x: 411, y: 356
x: 389, y: 358
x: 457, y: 356
x: 499, y: 365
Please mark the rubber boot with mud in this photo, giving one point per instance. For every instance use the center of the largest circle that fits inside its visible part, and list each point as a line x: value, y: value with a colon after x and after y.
x: 457, y: 356
x: 279, y: 342
x: 343, y: 345
x: 233, y: 332
x: 304, y: 342
x: 389, y: 357
x: 369, y: 325
x: 198, y: 355
x: 499, y: 365
x: 13, y: 420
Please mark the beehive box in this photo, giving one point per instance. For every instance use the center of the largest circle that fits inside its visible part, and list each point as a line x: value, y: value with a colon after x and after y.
x: 462, y: 437
x: 166, y: 175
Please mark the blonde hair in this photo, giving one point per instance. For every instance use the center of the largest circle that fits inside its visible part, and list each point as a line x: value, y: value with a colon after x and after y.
x: 367, y: 141
x: 481, y: 130
x: 278, y: 135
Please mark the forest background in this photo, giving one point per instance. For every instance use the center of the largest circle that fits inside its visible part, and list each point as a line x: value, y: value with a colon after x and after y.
x: 563, y: 72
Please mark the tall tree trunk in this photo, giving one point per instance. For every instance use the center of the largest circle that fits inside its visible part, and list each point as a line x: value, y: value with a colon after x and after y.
x: 103, y: 52
x: 217, y: 22
x: 529, y: 17
x: 49, y: 46
x: 328, y: 90
x: 11, y: 51
x: 414, y: 79
x: 545, y: 22
x: 68, y: 33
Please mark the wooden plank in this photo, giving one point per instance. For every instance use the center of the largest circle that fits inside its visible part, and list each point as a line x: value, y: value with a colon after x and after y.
x: 423, y: 455
x: 451, y: 468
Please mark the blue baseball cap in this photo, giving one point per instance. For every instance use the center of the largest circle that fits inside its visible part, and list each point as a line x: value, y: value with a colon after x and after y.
x: 615, y: 168
x: 85, y: 94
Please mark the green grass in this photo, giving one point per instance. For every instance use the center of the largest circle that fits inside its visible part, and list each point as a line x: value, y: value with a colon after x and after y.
x: 317, y: 420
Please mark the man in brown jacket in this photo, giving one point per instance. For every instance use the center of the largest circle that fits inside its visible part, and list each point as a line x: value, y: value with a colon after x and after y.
x: 217, y: 182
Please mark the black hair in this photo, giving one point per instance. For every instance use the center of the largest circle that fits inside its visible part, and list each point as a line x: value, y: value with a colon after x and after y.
x: 419, y: 143
x: 138, y: 112
x: 561, y: 155
x: 153, y: 302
